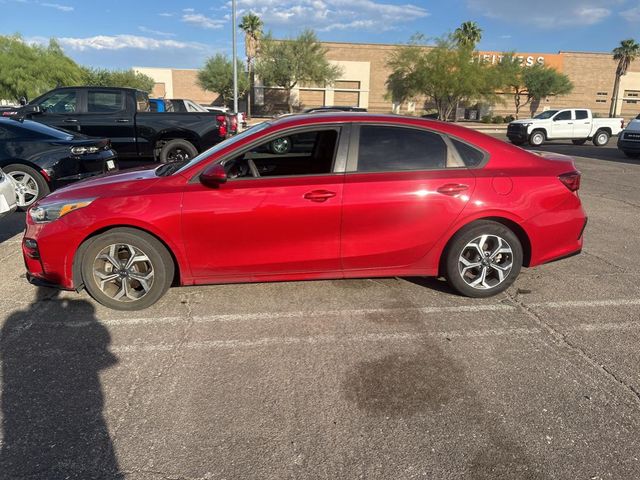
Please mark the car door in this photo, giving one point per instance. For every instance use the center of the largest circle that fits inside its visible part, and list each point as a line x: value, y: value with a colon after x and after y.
x: 107, y: 114
x: 562, y: 125
x: 581, y: 124
x: 60, y: 109
x: 404, y: 188
x: 278, y: 213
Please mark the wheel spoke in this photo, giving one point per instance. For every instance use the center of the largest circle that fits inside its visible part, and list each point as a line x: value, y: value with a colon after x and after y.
x: 480, y: 281
x: 135, y: 259
x: 143, y: 280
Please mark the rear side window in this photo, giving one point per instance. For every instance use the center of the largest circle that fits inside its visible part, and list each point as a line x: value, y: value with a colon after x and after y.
x: 471, y: 156
x: 104, y: 101
x: 389, y: 149
x: 582, y: 114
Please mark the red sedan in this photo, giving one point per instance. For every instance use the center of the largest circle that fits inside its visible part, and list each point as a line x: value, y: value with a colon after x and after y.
x: 313, y: 197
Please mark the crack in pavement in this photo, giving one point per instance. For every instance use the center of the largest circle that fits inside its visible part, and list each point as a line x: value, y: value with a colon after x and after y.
x: 562, y: 339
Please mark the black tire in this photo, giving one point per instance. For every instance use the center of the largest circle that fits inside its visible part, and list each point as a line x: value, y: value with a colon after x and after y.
x: 633, y: 155
x: 601, y: 138
x: 281, y: 146
x: 459, y: 246
x: 18, y: 171
x: 177, y: 150
x: 159, y: 259
x: 537, y: 138
x: 579, y: 142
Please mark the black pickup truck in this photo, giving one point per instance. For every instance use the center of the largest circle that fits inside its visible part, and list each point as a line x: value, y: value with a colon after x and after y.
x: 122, y: 115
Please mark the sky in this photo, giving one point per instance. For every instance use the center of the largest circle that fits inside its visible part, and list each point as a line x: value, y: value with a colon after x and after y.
x: 183, y: 33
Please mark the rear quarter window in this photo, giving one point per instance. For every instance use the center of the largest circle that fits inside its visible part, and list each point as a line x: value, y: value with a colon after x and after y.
x: 471, y: 156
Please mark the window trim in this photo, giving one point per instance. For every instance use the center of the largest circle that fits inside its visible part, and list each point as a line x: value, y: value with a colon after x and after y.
x: 354, y: 147
x: 339, y: 157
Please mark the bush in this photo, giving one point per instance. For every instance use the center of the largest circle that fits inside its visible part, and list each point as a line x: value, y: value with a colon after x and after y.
x: 509, y: 119
x: 498, y: 119
x: 486, y: 119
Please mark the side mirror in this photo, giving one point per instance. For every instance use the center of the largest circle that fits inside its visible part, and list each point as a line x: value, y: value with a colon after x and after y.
x: 23, y: 101
x: 213, y: 176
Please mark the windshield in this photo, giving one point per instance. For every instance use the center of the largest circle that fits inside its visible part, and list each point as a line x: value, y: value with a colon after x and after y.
x: 546, y: 115
x: 171, y: 168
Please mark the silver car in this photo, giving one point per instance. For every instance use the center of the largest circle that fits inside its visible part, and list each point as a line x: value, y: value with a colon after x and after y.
x: 7, y: 195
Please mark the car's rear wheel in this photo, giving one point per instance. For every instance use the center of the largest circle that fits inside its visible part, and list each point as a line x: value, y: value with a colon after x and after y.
x: 177, y: 150
x: 601, y: 138
x: 483, y: 259
x: 580, y: 141
x: 537, y: 138
x: 126, y: 269
x: 30, y: 185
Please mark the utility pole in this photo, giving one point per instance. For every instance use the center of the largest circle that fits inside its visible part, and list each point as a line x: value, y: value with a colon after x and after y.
x: 235, y: 56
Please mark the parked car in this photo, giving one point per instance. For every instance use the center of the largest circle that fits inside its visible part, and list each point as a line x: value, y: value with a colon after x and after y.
x: 122, y: 115
x: 40, y: 159
x: 184, y: 105
x: 8, y: 202
x: 372, y: 196
x: 156, y: 105
x: 334, y: 108
x: 629, y: 139
x: 575, y: 124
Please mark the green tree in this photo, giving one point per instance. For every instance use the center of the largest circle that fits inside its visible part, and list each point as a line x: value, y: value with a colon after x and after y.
x: 30, y: 70
x: 541, y: 81
x: 217, y: 76
x: 626, y: 53
x: 468, y: 34
x: 102, y: 77
x: 288, y: 63
x: 447, y: 74
x: 251, y: 25
x: 510, y: 78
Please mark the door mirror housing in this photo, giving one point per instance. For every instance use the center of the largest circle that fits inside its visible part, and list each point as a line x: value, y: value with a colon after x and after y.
x: 213, y: 176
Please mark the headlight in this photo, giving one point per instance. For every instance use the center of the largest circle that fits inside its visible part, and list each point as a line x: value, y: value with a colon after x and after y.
x: 49, y: 212
x: 527, y: 124
x: 83, y: 150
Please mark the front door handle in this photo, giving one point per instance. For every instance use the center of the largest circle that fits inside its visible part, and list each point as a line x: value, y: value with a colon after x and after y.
x: 319, y: 195
x: 453, y: 189
x: 122, y: 120
x: 70, y: 120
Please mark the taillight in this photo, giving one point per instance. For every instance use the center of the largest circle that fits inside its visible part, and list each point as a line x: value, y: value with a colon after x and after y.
x: 222, y: 125
x: 234, y: 123
x: 571, y: 180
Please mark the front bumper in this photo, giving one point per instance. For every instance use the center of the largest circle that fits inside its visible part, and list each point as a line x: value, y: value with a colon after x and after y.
x: 517, y: 132
x: 626, y: 145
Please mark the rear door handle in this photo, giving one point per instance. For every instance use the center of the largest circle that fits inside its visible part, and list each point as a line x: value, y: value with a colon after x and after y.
x: 122, y: 120
x: 453, y: 188
x: 70, y: 120
x: 319, y: 195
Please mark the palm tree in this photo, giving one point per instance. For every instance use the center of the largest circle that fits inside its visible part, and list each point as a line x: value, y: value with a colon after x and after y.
x: 468, y: 34
x: 252, y: 27
x: 626, y: 53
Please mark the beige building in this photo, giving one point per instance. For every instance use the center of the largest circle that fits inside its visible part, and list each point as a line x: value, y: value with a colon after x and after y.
x: 365, y: 72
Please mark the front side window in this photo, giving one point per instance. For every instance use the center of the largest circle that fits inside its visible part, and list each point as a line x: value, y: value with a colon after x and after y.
x: 104, y: 101
x: 545, y: 115
x: 296, y: 154
x: 564, y: 115
x: 60, y: 102
x: 389, y: 149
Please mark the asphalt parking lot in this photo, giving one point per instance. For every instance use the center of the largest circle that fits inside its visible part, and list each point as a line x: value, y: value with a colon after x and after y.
x: 376, y: 379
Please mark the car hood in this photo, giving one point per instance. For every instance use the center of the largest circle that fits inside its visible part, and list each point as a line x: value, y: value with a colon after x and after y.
x: 633, y: 125
x: 129, y: 182
x: 523, y: 120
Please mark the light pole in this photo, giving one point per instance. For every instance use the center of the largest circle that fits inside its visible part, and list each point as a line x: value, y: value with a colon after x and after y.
x: 235, y: 55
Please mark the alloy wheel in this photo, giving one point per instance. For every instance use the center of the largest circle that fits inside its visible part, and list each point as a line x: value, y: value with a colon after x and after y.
x: 26, y: 188
x: 485, y: 262
x: 123, y: 272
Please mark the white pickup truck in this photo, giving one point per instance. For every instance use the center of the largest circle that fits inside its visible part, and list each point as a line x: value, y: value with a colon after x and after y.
x: 575, y: 124
x: 629, y: 139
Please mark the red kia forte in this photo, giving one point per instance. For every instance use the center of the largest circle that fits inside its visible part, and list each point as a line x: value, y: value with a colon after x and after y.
x: 312, y: 197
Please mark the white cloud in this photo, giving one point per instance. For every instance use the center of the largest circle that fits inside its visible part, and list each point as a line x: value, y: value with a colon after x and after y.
x: 632, y: 15
x: 202, y: 21
x: 327, y: 15
x: 155, y: 32
x: 188, y: 10
x: 546, y: 14
x: 57, y: 6
x: 120, y: 42
x: 166, y: 14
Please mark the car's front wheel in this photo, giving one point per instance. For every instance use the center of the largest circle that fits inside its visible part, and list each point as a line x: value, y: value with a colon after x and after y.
x: 126, y: 269
x: 483, y: 259
x: 29, y: 184
x: 537, y: 138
